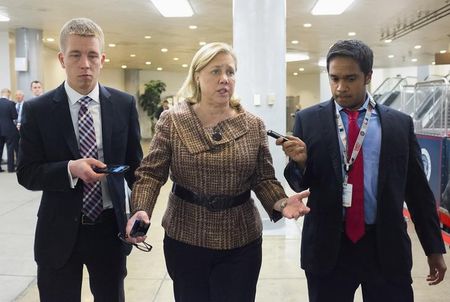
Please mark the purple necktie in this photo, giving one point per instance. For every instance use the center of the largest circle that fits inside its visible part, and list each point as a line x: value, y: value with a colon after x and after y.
x: 92, y: 192
x: 354, y: 220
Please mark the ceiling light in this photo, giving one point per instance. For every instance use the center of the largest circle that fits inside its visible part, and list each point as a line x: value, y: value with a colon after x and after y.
x: 148, y: 63
x: 296, y: 56
x: 175, y: 59
x: 192, y: 26
x: 322, y: 62
x: 112, y: 45
x: 433, y: 63
x: 159, y: 68
x: 295, y: 73
x: 301, y: 69
x: 132, y: 55
x: 390, y: 56
x: 184, y: 65
x: 164, y: 50
x: 307, y: 25
x: 294, y: 41
x: 414, y: 60
x: 202, y: 43
x: 388, y: 41
x: 147, y: 37
x: 173, y: 8
x: 442, y: 51
x: 351, y: 34
x: 124, y: 66
x: 330, y: 7
x: 107, y: 60
x: 4, y: 18
x: 50, y: 40
x: 418, y: 46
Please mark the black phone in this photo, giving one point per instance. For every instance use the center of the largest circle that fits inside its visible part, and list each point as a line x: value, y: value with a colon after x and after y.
x: 112, y: 169
x: 139, y: 228
x: 276, y: 135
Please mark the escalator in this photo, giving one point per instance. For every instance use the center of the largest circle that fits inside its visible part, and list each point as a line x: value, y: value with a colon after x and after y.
x: 388, y: 93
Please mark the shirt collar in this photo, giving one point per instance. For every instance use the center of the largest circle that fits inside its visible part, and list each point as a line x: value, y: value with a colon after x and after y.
x: 339, y: 108
x: 74, y: 96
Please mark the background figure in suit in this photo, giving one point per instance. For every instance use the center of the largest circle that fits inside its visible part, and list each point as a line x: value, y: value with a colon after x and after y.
x: 36, y: 88
x: 81, y: 212
x: 8, y: 130
x: 19, y: 98
x: 355, y: 233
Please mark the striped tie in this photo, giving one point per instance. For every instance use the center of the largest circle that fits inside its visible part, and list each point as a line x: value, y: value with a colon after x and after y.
x: 92, y: 192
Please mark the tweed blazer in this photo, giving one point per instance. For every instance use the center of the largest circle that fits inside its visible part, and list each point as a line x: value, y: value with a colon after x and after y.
x: 240, y: 161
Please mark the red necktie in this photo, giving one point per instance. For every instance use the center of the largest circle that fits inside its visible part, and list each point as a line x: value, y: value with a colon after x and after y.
x: 354, y: 220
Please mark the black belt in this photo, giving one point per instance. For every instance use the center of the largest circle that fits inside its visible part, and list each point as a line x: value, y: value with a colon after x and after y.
x: 104, y: 216
x: 211, y: 202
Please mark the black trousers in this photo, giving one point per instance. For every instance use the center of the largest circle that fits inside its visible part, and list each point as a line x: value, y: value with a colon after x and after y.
x: 97, y: 247
x: 358, y: 265
x: 205, y: 275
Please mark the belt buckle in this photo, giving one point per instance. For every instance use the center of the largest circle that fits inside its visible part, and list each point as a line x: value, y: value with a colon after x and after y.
x: 86, y: 220
x: 216, y: 203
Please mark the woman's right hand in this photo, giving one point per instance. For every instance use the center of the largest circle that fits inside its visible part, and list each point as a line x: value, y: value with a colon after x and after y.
x: 139, y: 215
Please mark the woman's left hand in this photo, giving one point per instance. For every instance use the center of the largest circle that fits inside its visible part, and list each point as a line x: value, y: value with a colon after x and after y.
x: 294, y: 207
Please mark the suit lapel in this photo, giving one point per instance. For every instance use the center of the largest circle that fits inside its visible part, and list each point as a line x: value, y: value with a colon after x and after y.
x: 107, y: 113
x: 329, y: 132
x: 386, y: 124
x: 61, y: 113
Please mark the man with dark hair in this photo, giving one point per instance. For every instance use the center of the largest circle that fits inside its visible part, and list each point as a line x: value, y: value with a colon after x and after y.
x: 65, y: 134
x: 36, y: 88
x: 361, y: 162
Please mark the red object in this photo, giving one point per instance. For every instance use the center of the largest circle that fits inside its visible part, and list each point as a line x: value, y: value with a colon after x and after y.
x: 354, y: 220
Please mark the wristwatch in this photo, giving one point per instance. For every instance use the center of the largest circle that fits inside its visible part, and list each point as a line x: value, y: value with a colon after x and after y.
x: 283, y: 205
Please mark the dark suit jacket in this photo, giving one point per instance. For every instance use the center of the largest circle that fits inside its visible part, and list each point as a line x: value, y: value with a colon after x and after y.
x: 48, y: 142
x: 401, y: 178
x: 8, y: 114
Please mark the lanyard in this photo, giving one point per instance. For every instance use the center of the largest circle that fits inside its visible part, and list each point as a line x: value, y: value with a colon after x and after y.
x: 348, y: 162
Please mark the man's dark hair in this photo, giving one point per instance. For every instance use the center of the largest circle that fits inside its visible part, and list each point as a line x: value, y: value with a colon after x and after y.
x: 35, y: 82
x: 355, y: 50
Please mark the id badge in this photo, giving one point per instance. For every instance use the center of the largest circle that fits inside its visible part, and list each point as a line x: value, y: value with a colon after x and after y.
x: 347, y: 195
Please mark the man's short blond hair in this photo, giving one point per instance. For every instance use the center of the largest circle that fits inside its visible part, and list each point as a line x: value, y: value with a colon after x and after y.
x: 83, y: 27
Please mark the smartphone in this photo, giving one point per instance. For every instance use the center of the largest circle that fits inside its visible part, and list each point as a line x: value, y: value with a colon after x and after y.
x: 111, y: 169
x: 276, y: 135
x: 139, y: 228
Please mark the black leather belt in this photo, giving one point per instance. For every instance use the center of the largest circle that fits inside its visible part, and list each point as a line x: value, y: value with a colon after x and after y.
x: 106, y: 215
x: 211, y: 202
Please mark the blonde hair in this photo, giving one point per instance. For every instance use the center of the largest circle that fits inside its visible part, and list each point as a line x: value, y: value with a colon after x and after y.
x: 190, y: 89
x: 83, y: 27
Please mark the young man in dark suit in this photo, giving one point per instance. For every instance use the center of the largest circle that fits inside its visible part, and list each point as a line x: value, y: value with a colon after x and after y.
x: 355, y: 233
x: 65, y: 133
x: 8, y: 130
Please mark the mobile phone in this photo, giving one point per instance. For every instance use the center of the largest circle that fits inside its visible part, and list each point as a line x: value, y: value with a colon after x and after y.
x: 111, y: 169
x: 139, y: 228
x: 276, y: 135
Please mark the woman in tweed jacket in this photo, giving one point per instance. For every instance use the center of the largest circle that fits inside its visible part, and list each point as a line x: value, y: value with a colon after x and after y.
x: 216, y: 153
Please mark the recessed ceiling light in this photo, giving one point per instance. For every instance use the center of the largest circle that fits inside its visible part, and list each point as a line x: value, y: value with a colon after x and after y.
x: 148, y: 63
x: 294, y: 41
x: 330, y: 7
x: 107, y: 60
x: 159, y: 68
x: 442, y: 51
x: 307, y: 25
x: 301, y: 69
x: 418, y: 46
x: 433, y: 63
x: 387, y: 41
x: 202, y: 43
x: 184, y: 65
x: 175, y: 59
x: 4, y: 18
x: 147, y: 37
x: 295, y: 73
x: 50, y: 40
x: 390, y: 56
x: 133, y: 55
x: 173, y: 8
x: 414, y: 60
x: 124, y: 66
x: 164, y: 50
x: 322, y: 62
x: 296, y: 56
x: 192, y: 26
x: 112, y: 45
x: 351, y: 34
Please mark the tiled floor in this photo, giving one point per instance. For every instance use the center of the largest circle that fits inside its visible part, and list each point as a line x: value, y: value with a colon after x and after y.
x: 281, y: 279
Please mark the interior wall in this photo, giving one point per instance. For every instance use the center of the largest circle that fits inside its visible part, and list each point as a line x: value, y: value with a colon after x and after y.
x: 307, y: 86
